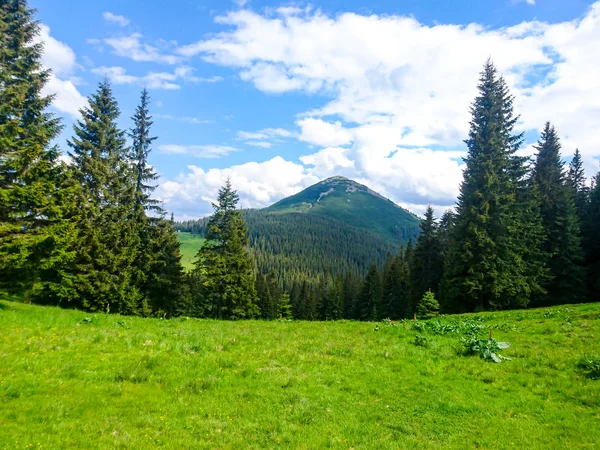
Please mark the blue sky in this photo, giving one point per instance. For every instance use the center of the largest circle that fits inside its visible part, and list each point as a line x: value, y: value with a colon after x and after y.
x: 279, y: 95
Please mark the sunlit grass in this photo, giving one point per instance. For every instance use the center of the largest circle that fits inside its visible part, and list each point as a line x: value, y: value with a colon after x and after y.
x: 189, y: 245
x: 74, y: 380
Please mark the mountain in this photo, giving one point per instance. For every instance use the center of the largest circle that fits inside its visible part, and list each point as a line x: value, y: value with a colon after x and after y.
x: 336, y: 225
x: 353, y: 204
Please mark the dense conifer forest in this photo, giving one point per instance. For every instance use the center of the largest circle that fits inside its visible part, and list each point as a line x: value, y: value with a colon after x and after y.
x: 89, y: 234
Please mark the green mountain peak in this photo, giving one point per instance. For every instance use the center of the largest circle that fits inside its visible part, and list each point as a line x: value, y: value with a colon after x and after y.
x: 352, y: 203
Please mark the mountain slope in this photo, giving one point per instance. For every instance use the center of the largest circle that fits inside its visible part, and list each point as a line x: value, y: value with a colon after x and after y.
x: 336, y: 225
x: 353, y: 204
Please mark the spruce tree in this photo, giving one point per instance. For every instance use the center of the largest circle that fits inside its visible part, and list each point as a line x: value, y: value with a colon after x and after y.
x: 494, y: 261
x: 591, y: 239
x: 370, y: 299
x: 285, y: 307
x: 335, y: 288
x: 224, y: 262
x: 396, y: 302
x: 299, y: 306
x: 560, y: 222
x: 165, y: 286
x: 427, y: 265
x: 428, y: 307
x: 107, y: 242
x: 156, y: 270
x: 350, y: 291
x: 35, y: 230
x: 577, y: 182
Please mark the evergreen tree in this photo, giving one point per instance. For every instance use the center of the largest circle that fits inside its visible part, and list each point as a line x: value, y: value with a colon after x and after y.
x: 285, y: 307
x: 494, y: 260
x: 263, y: 296
x: 165, y: 284
x: 560, y: 221
x: 224, y: 262
x: 576, y: 180
x: 311, y: 305
x: 275, y: 293
x: 396, y: 302
x: 334, y: 310
x: 299, y: 307
x: 157, y: 270
x: 591, y: 239
x: 107, y: 242
x: 428, y: 306
x: 350, y: 291
x: 369, y: 303
x: 35, y: 232
x: 445, y: 233
x: 427, y: 268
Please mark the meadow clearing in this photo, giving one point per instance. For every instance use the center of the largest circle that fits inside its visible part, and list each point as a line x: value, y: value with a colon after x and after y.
x: 70, y: 379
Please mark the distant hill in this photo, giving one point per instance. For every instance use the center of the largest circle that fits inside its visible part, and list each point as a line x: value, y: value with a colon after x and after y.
x: 337, y: 225
x: 353, y: 204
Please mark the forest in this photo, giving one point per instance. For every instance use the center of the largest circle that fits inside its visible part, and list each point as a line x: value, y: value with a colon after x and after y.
x: 88, y: 233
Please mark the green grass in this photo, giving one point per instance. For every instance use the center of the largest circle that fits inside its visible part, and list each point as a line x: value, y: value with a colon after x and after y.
x: 190, y: 244
x: 74, y: 380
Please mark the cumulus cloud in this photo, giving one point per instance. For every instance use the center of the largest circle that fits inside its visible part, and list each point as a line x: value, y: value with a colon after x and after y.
x: 62, y: 83
x: 122, y: 21
x: 132, y: 47
x: 398, y: 91
x: 319, y: 132
x: 198, y: 151
x: 265, y: 138
x: 154, y: 80
x: 259, y: 185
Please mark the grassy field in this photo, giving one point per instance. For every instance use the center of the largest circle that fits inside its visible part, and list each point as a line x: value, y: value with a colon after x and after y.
x: 74, y: 380
x: 190, y: 245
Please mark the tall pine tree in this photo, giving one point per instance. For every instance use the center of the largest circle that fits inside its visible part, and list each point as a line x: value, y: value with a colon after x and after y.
x: 156, y: 270
x: 34, y: 202
x: 107, y: 242
x: 494, y: 261
x: 577, y: 182
x: 591, y: 239
x: 223, y: 261
x: 427, y: 268
x: 560, y: 221
x: 371, y: 296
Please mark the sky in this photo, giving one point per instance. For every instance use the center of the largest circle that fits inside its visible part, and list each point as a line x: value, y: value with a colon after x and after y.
x: 278, y: 96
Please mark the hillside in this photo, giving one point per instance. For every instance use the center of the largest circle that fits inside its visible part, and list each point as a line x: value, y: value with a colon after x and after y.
x: 353, y: 204
x: 336, y: 225
x: 71, y: 379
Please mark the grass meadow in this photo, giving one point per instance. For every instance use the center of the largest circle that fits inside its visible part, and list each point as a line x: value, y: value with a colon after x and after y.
x: 74, y: 380
x: 189, y: 245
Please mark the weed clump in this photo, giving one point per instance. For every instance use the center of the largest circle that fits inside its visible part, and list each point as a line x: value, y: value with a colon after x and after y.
x: 590, y: 365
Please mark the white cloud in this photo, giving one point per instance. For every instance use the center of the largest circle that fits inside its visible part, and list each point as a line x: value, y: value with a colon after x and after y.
x: 318, y: 132
x: 259, y: 185
x: 153, y: 80
x: 62, y: 83
x: 240, y: 3
x: 122, y: 21
x: 186, y: 119
x: 267, y: 133
x: 399, y: 91
x: 132, y: 47
x: 263, y: 144
x: 198, y: 151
